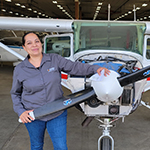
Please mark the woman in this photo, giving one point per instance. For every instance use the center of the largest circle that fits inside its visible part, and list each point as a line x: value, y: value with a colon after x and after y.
x: 37, y: 81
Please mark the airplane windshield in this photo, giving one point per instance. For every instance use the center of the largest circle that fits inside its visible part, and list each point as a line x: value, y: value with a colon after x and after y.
x: 109, y: 36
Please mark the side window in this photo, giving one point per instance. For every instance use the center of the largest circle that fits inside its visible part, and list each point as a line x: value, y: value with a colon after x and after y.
x: 148, y: 49
x: 59, y: 45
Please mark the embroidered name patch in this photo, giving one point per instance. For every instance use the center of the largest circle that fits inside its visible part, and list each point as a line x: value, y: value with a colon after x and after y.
x: 51, y: 69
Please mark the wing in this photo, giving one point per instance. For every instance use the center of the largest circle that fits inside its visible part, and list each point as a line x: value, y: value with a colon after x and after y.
x: 36, y: 24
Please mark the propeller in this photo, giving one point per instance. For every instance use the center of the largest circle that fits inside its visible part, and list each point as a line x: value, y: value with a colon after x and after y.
x: 84, y: 95
x: 62, y: 103
x: 135, y: 76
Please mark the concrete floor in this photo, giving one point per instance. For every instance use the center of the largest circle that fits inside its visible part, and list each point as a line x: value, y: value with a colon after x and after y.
x: 133, y: 134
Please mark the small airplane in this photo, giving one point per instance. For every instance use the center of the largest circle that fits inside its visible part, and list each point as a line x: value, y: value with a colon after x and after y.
x: 122, y: 47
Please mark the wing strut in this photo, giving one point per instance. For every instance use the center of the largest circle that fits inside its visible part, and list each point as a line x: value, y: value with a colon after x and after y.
x: 11, y: 51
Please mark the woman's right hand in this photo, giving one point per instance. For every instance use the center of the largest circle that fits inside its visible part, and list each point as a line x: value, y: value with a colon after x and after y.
x: 25, y: 117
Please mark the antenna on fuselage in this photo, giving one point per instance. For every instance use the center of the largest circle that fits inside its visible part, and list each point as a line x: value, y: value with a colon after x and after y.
x: 108, y: 12
x: 134, y: 10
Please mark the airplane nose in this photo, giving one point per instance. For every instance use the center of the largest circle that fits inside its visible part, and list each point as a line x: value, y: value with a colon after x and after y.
x: 108, y: 88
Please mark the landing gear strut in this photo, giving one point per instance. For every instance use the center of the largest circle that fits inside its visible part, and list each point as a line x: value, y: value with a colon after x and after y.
x: 106, y: 142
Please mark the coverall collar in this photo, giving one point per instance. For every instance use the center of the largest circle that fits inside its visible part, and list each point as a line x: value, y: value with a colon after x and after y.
x: 44, y: 59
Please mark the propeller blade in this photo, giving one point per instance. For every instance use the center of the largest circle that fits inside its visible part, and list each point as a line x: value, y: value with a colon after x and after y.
x: 136, y: 76
x: 63, y: 103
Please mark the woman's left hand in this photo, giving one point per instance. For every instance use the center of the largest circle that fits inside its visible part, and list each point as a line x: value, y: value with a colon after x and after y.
x: 106, y: 71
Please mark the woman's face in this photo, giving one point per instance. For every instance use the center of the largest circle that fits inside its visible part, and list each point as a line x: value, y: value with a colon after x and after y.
x: 32, y: 45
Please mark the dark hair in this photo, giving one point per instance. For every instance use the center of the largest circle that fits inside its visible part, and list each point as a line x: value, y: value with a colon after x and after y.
x: 23, y: 38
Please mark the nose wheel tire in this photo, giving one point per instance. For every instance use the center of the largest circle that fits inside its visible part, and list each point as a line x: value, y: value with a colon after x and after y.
x: 106, y: 143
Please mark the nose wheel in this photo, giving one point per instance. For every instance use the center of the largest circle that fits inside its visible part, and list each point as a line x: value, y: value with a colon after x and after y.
x: 105, y: 142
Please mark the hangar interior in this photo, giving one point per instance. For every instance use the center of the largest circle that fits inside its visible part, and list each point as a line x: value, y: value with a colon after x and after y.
x: 130, y: 134
x: 77, y: 9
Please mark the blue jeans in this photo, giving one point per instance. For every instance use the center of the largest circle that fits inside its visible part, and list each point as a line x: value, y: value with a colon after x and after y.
x: 57, y: 129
